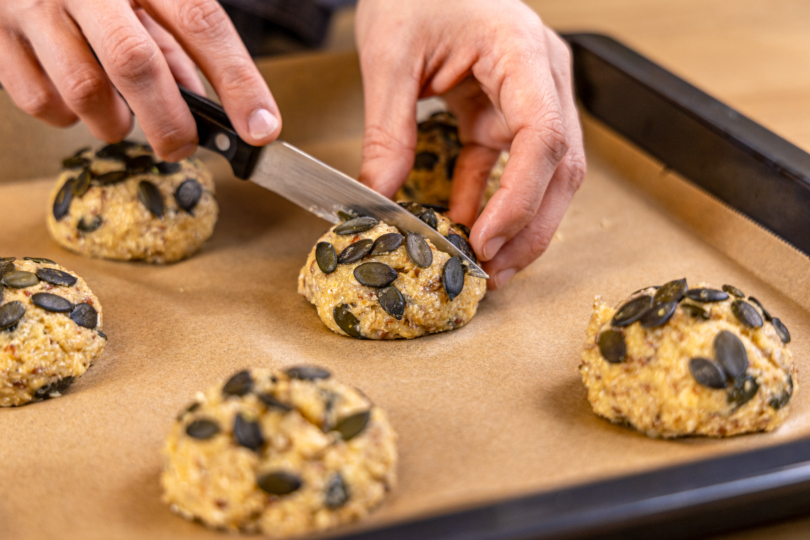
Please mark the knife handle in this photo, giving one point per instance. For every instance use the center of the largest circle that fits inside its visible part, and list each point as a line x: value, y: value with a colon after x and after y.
x: 216, y: 133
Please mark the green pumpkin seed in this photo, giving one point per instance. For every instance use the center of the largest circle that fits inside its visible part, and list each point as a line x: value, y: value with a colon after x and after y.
x: 351, y: 426
x: 202, y: 429
x: 706, y: 295
x: 392, y: 301
x: 56, y: 277
x: 696, y: 312
x: 346, y: 321
x: 307, y: 373
x: 429, y: 217
x: 355, y: 252
x: 61, y: 204
x: 56, y: 387
x: 632, y: 311
x: 140, y: 164
x: 733, y: 291
x: 386, y: 243
x: 75, y: 162
x: 418, y: 250
x: 375, y: 274
x: 85, y: 315
x: 167, y: 167
x: 781, y: 330
x: 20, y: 279
x: 326, y: 257
x: 765, y: 314
x: 82, y: 184
x: 658, y: 315
x: 239, y: 384
x: 746, y: 314
x: 729, y: 352
x: 612, y: 346
x: 743, y: 390
x: 453, y: 277
x: 89, y: 225
x: 188, y: 195
x: 707, y: 373
x: 51, y: 302
x: 425, y: 161
x: 673, y: 291
x: 151, y: 198
x: 336, y: 493
x: 272, y: 403
x: 112, y: 178
x: 780, y: 400
x: 356, y: 225
x: 279, y: 483
x: 10, y: 314
x: 248, y: 433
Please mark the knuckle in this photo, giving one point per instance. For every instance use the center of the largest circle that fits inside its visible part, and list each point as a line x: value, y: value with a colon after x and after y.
x: 202, y: 18
x: 82, y: 88
x: 171, y: 135
x: 576, y: 168
x: 132, y: 56
x: 551, y: 129
x: 37, y: 102
x: 540, y: 242
x: 379, y: 142
x: 238, y: 78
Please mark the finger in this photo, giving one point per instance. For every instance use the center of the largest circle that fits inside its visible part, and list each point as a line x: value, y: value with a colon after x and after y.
x: 63, y: 53
x: 204, y: 30
x: 470, y: 176
x: 181, y: 65
x: 139, y: 71
x: 28, y: 86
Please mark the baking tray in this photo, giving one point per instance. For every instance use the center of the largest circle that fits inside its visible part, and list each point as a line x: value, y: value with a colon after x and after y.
x: 497, y: 439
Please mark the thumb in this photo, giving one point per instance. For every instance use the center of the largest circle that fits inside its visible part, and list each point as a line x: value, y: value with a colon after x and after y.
x: 390, y: 92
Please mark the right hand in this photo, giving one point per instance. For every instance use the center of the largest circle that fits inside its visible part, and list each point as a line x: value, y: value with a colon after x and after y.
x: 145, y: 47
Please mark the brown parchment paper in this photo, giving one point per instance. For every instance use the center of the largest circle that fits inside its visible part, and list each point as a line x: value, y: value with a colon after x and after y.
x: 493, y: 410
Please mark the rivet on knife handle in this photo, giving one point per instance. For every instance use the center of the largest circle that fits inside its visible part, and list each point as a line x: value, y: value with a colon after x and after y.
x: 216, y: 133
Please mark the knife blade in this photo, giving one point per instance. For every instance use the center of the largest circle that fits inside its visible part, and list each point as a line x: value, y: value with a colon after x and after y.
x: 306, y: 181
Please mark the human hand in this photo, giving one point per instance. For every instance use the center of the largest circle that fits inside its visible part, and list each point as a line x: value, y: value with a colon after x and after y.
x: 47, y: 67
x: 508, y: 80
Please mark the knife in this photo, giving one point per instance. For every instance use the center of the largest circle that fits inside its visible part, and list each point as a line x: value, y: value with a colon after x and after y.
x: 305, y: 181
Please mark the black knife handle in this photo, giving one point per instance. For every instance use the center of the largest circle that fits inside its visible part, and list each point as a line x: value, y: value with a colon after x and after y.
x: 216, y: 133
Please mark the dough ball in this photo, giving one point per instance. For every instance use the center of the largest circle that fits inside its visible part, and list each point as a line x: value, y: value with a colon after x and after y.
x: 673, y: 361
x: 375, y: 283
x: 121, y: 202
x: 283, y: 453
x: 50, y: 329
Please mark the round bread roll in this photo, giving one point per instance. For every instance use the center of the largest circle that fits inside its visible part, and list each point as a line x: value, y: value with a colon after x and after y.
x: 50, y: 329
x: 368, y: 281
x: 673, y: 361
x: 283, y: 453
x: 121, y: 203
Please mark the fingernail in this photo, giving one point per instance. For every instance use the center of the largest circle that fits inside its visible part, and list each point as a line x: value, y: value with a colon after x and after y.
x: 262, y: 124
x: 504, y: 276
x: 492, y: 247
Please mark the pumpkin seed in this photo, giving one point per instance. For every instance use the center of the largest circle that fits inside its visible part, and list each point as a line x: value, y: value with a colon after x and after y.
x: 61, y: 204
x: 111, y: 178
x: 375, y: 274
x: 612, y: 346
x: 356, y: 225
x: 248, y: 433
x: 450, y: 167
x: 336, y: 493
x: 658, y: 315
x: 729, y: 352
x: 56, y: 387
x: 706, y: 295
x: 167, y: 167
x: 351, y: 426
x: 279, y: 483
x: 307, y: 373
x: 188, y: 194
x: 418, y: 250
x: 429, y: 217
x: 425, y: 161
x: 387, y: 243
x: 346, y: 321
x: 202, y: 429
x: 56, y: 277
x: 239, y: 384
x: 272, y: 403
x: 765, y: 314
x: 780, y: 400
x: 781, y: 330
x: 140, y: 164
x: 632, y: 311
x: 92, y: 225
x: 746, y: 313
x: 20, y: 279
x: 82, y: 184
x: 39, y: 260
x: 85, y: 315
x: 707, y: 373
x: 696, y: 311
x: 326, y: 257
x: 75, y: 162
x: 151, y: 198
x: 673, y: 291
x: 412, y: 207
x: 51, y: 302
x: 733, y: 291
x: 356, y: 251
x: 462, y: 245
x: 392, y: 301
x: 10, y: 314
x: 453, y: 277
x: 743, y: 390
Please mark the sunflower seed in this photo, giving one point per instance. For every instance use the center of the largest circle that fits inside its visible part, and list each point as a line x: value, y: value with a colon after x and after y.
x: 56, y: 387
x: 729, y: 352
x: 356, y: 225
x: 248, y: 433
x: 190, y: 409
x: 140, y: 164
x: 780, y: 400
x: 673, y: 291
x: 326, y: 257
x: 743, y: 391
x: 453, y: 277
x: 765, y: 314
x: 375, y: 274
x: 706, y: 295
x: 102, y: 334
x: 56, y: 277
x: 696, y: 311
x: 612, y: 346
x: 272, y: 403
x: 781, y: 330
x: 418, y: 250
x: 658, y: 315
x: 51, y: 302
x: 116, y: 152
x: 112, y: 178
x: 733, y: 291
x: 39, y: 260
x: 20, y: 279
x: 463, y: 228
x: 746, y: 313
x: 307, y: 373
x: 85, y: 315
x: 239, y: 384
x: 82, y: 184
x: 61, y: 204
x: 188, y: 194
x: 632, y: 311
x: 345, y: 215
x: 425, y: 161
x: 462, y: 245
x: 436, y: 207
x: 336, y: 493
x: 81, y: 151
x: 346, y: 321
x: 450, y: 167
x: 89, y: 226
x: 202, y: 429
x: 355, y: 252
x: 429, y: 217
x: 707, y: 373
x: 387, y: 243
x: 75, y: 162
x: 351, y: 426
x: 6, y: 266
x: 10, y: 314
x: 279, y: 483
x: 412, y: 207
x: 167, y: 167
x: 152, y: 199
x: 392, y: 301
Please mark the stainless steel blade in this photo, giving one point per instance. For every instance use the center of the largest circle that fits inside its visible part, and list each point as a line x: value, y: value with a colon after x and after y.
x: 322, y: 190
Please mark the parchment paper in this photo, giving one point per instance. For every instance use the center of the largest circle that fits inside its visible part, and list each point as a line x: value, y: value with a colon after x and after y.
x: 492, y: 410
